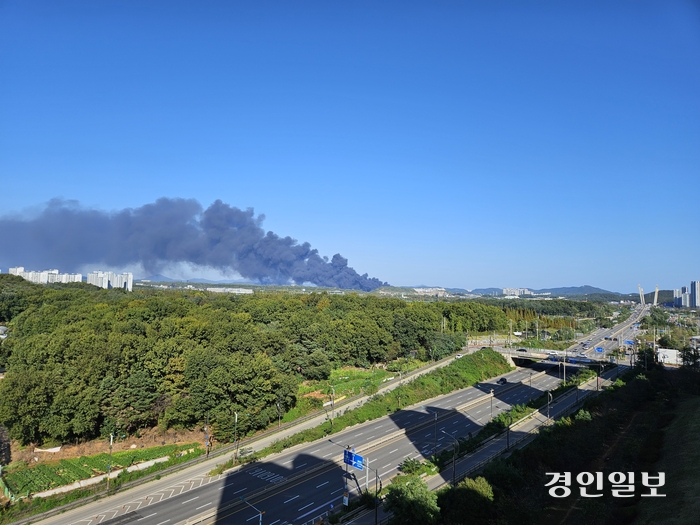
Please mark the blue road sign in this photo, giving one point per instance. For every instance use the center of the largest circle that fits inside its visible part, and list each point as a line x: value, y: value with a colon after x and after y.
x: 354, y: 460
x: 628, y: 342
x: 599, y: 349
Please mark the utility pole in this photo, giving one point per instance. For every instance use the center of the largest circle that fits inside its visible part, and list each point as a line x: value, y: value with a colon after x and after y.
x: 109, y: 467
x: 549, y: 400
x: 491, y: 405
x: 279, y: 416
x: 206, y: 434
x: 235, y: 435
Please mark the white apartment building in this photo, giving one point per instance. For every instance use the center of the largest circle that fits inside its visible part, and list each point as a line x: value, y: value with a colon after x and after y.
x: 109, y: 280
x: 46, y: 276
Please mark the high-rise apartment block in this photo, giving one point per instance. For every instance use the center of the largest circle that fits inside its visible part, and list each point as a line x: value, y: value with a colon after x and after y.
x: 111, y: 280
x: 46, y: 276
x: 694, y: 294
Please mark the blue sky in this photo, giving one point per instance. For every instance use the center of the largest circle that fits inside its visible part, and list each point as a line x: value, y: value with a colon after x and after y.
x: 465, y: 144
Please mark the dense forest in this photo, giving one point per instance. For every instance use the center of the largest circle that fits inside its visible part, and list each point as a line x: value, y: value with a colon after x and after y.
x: 83, y: 362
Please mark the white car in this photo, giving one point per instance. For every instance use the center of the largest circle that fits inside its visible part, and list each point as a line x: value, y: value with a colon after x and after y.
x: 458, y: 356
x: 551, y: 352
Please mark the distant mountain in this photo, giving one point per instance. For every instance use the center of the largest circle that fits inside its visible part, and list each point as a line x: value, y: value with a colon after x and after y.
x: 575, y: 290
x: 563, y: 291
x: 488, y: 291
x: 158, y: 278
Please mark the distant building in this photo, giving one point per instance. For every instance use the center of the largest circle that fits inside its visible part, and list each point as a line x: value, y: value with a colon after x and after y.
x: 46, y: 276
x: 109, y: 280
x: 694, y: 293
x: 435, y: 292
x: 244, y: 291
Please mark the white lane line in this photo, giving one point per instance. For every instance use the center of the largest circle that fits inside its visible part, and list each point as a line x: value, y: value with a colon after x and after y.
x: 299, y: 466
x: 329, y: 454
x: 408, y: 454
x: 440, y: 439
x: 149, y: 516
x: 292, y: 499
x: 240, y: 490
x: 387, y: 465
x: 455, y: 422
x: 322, y: 484
x: 337, y: 490
x: 385, y: 473
x: 370, y: 437
x: 189, y: 500
x: 314, y: 451
x: 359, y: 434
x: 393, y: 451
x: 380, y: 426
x: 206, y: 504
x: 166, y: 521
x: 253, y: 517
x: 387, y: 431
x: 273, y: 523
x: 441, y: 428
x: 305, y: 507
x: 427, y: 435
x: 288, y: 461
x: 322, y: 506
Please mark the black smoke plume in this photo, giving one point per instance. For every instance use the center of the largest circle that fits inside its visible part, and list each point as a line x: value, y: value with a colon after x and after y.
x: 67, y: 237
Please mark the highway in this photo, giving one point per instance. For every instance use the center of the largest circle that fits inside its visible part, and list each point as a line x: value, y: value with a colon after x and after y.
x: 308, y: 479
x: 301, y: 481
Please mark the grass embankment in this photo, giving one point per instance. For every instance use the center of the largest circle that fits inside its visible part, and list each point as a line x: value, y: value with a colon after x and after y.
x: 622, y: 430
x: 347, y: 382
x: 462, y: 373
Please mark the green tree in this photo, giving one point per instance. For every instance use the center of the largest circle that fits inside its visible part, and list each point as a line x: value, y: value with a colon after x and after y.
x: 411, y: 502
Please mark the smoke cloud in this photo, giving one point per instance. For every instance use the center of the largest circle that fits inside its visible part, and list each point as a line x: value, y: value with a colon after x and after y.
x: 66, y: 236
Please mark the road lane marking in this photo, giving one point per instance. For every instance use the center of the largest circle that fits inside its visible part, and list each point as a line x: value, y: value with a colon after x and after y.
x: 292, y: 499
x: 329, y: 454
x: 393, y: 451
x: 360, y: 434
x: 305, y: 506
x: 206, y: 504
x: 299, y: 466
x: 253, y: 517
x: 240, y: 490
x: 288, y: 461
x: 342, y: 488
x: 322, y: 484
x: 189, y: 500
x: 387, y: 465
x: 162, y: 522
x: 146, y: 517
x: 314, y: 451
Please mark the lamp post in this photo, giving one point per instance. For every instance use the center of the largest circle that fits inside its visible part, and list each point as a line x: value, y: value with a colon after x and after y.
x: 530, y: 386
x: 260, y: 512
x: 377, y: 490
x: 279, y: 416
x: 510, y: 421
x: 235, y: 435
x: 206, y: 434
x: 454, y: 458
x: 491, y: 405
x: 109, y: 467
x: 549, y: 400
x: 332, y: 404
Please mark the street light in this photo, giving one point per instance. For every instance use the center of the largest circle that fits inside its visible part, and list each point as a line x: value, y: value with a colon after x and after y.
x: 510, y: 421
x: 377, y: 490
x: 454, y: 458
x: 549, y: 399
x: 235, y: 435
x: 279, y: 416
x: 260, y: 512
x: 491, y: 405
x: 530, y: 386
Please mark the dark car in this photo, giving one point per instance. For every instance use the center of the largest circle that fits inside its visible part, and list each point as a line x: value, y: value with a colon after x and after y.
x: 522, y: 350
x: 502, y: 381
